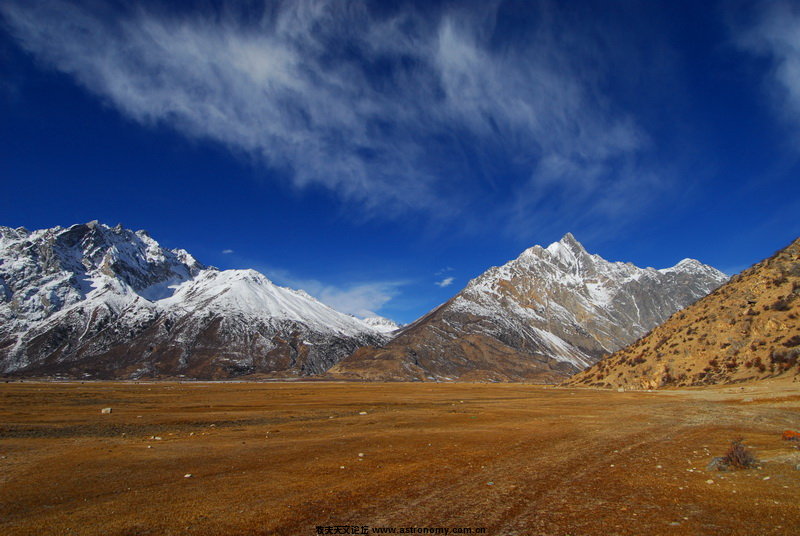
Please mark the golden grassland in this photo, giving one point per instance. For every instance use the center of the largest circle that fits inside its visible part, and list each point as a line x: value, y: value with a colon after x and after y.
x: 284, y: 458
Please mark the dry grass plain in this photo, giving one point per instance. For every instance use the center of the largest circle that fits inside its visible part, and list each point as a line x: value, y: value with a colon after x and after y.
x: 267, y: 458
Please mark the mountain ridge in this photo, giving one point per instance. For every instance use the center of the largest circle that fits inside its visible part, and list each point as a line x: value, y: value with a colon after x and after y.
x: 746, y: 330
x: 76, y: 299
x: 540, y: 317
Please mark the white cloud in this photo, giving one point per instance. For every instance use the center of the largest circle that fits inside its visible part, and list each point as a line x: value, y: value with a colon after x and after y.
x: 227, y: 251
x: 299, y: 88
x: 446, y: 282
x: 362, y: 299
x: 776, y: 35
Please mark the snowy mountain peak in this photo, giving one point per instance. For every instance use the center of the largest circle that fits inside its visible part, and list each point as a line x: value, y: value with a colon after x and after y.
x: 90, y: 282
x: 565, y: 291
x: 381, y: 324
x: 544, y: 315
x: 567, y: 250
x: 692, y: 267
x: 569, y: 240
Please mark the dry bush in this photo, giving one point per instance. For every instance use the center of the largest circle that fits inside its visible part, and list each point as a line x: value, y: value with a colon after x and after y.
x: 738, y: 457
x: 792, y: 342
x: 787, y: 357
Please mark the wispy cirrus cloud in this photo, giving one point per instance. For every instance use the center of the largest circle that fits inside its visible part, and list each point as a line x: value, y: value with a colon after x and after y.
x: 774, y: 33
x: 227, y: 251
x: 362, y: 299
x: 446, y: 282
x: 399, y: 110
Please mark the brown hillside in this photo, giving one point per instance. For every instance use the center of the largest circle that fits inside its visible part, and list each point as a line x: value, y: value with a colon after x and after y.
x: 748, y: 329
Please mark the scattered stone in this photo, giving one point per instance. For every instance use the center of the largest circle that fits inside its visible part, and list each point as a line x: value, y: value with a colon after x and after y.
x: 360, y: 454
x: 341, y: 467
x: 620, y: 389
x: 765, y: 478
x: 105, y: 411
x: 674, y: 524
x: 490, y: 483
x: 148, y: 446
x: 187, y: 475
x: 709, y: 481
x: 719, y: 463
x: 362, y: 412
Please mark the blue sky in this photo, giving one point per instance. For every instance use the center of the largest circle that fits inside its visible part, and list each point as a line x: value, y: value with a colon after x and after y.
x: 379, y: 155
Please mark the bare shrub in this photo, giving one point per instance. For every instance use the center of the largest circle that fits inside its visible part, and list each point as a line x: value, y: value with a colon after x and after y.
x: 792, y: 342
x: 788, y: 357
x: 738, y: 457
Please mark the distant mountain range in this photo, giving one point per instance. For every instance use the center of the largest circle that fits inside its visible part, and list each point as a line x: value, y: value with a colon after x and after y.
x: 100, y: 302
x: 542, y: 317
x: 748, y: 329
x: 93, y: 301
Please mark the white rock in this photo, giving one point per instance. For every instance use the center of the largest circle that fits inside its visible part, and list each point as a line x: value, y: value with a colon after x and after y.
x: 105, y: 411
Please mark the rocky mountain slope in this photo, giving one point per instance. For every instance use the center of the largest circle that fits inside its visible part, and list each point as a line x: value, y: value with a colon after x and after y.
x: 748, y: 329
x: 102, y: 302
x: 541, y: 317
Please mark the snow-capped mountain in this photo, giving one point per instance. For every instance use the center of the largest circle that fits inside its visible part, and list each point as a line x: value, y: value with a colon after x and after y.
x: 545, y: 315
x: 109, y: 302
x: 381, y: 324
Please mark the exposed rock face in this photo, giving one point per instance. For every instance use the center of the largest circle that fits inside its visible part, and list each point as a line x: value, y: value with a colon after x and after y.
x: 541, y: 317
x: 748, y: 329
x: 106, y: 302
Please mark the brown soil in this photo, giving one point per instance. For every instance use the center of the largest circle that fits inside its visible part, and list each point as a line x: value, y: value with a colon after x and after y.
x: 267, y: 458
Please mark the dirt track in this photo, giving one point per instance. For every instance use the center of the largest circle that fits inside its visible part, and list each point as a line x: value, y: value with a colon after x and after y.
x: 267, y: 458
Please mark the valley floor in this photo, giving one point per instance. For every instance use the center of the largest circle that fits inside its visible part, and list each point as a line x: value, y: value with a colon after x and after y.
x: 286, y: 458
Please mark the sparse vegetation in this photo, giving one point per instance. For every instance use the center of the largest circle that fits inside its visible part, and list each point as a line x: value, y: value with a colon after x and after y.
x: 787, y: 358
x: 738, y: 457
x: 792, y: 341
x: 782, y: 304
